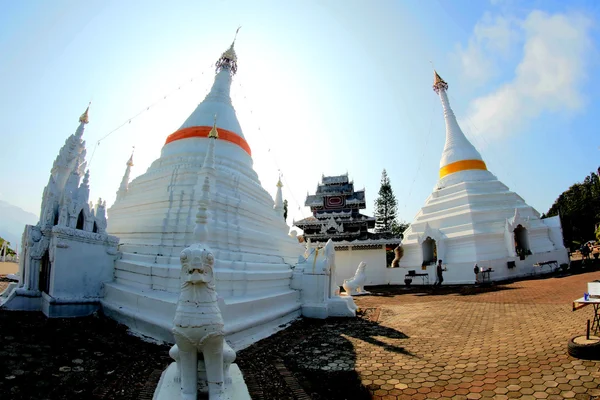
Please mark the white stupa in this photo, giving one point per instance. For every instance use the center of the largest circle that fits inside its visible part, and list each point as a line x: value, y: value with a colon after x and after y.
x: 154, y: 217
x: 471, y: 217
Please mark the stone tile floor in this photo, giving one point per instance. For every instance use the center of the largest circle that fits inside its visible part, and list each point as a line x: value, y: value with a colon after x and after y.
x: 508, y: 342
x: 505, y: 341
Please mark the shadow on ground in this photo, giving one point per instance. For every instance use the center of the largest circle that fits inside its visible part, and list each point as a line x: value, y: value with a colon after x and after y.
x: 462, y: 290
x: 319, y: 357
x: 75, y: 358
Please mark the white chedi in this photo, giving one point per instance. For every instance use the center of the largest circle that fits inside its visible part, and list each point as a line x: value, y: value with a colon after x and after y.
x: 471, y: 217
x: 154, y: 218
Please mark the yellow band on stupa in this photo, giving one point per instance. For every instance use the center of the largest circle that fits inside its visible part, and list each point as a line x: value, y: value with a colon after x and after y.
x: 462, y: 165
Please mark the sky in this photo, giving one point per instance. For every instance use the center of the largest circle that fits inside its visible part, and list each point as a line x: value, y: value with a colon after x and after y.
x: 323, y: 87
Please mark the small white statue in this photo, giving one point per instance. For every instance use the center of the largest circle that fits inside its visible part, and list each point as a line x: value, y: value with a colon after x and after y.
x: 355, y: 285
x: 198, y: 325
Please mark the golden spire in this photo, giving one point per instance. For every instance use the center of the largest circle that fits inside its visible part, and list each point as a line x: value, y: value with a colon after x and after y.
x: 279, y: 184
x: 214, y: 133
x: 438, y: 82
x: 84, y: 117
x: 130, y: 161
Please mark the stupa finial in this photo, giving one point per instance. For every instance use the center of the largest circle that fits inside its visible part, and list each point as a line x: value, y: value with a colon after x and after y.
x: 84, y: 119
x: 130, y: 161
x: 214, y: 133
x: 228, y: 59
x: 438, y: 82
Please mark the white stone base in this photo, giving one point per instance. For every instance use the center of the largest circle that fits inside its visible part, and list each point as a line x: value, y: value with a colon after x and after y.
x: 68, y: 308
x: 19, y: 299
x: 342, y: 306
x: 357, y: 294
x: 168, y: 389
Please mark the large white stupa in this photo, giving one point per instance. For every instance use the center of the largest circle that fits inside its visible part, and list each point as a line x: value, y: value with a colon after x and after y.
x: 471, y: 217
x: 154, y: 217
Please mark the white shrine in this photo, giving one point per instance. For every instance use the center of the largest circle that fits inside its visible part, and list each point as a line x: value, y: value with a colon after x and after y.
x: 472, y: 218
x: 68, y: 255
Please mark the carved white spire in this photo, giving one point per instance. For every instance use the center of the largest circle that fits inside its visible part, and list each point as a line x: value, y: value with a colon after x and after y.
x: 201, y: 230
x: 125, y: 181
x: 208, y: 167
x: 459, y: 154
x: 278, y: 207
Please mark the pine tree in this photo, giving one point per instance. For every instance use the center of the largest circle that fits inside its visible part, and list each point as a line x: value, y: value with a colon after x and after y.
x: 386, y: 206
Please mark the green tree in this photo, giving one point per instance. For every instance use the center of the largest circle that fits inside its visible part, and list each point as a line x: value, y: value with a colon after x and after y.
x: 285, y: 210
x: 579, y: 210
x: 399, y: 228
x: 9, y: 251
x: 386, y: 206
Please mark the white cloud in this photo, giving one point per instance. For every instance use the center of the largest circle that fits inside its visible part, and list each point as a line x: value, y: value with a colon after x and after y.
x: 493, y: 39
x: 547, y: 78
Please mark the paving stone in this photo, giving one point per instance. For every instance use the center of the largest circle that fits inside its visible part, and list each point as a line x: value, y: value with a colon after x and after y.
x: 500, y: 342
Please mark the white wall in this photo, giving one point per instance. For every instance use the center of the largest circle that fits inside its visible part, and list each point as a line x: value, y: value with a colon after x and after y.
x: 80, y: 268
x: 347, y: 261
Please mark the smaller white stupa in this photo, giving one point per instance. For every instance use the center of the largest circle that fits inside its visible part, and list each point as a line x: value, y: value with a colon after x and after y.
x: 67, y: 255
x: 472, y: 218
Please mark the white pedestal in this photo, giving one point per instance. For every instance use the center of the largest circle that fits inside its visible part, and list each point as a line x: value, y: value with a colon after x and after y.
x: 168, y: 389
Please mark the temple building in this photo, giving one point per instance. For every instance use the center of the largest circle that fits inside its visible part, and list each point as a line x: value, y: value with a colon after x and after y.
x: 336, y: 212
x: 335, y: 208
x: 154, y: 217
x: 473, y: 218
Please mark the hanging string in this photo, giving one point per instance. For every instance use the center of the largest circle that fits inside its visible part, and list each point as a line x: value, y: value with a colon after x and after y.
x: 272, y: 153
x: 422, y: 154
x: 144, y: 110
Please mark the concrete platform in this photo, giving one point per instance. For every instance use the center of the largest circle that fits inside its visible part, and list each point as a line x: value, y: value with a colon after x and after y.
x: 168, y: 389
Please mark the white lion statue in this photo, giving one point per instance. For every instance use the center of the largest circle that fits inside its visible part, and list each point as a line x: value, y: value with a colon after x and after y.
x: 198, y: 326
x: 355, y: 285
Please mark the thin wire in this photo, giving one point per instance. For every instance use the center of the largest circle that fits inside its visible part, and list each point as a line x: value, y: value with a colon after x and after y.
x: 422, y: 154
x: 147, y: 108
x: 272, y: 153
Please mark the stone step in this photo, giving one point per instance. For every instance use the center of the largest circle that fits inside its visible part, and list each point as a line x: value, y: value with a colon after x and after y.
x: 247, y: 318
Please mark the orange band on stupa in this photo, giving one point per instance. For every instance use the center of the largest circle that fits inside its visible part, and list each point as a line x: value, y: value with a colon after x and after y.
x: 462, y: 165
x: 203, y: 131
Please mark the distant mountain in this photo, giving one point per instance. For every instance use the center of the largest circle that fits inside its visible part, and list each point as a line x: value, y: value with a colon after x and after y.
x: 12, y: 222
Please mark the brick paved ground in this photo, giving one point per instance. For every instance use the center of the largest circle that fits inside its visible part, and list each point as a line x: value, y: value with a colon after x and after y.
x: 507, y: 343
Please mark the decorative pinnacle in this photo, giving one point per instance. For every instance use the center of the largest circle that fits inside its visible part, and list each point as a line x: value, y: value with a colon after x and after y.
x: 214, y: 133
x: 438, y: 82
x: 130, y: 161
x: 279, y: 184
x: 228, y: 59
x: 84, y: 117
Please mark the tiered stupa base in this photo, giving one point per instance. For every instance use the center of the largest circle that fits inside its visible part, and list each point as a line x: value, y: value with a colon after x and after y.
x: 473, y: 222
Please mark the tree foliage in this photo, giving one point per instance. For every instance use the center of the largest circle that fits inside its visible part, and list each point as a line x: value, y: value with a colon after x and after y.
x: 399, y: 228
x: 9, y: 251
x: 285, y: 210
x: 579, y: 210
x: 386, y: 207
